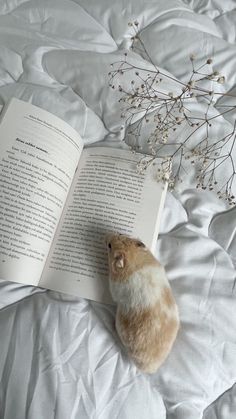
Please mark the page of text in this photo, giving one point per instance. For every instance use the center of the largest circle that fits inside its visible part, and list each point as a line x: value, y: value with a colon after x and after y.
x: 39, y: 154
x: 107, y: 195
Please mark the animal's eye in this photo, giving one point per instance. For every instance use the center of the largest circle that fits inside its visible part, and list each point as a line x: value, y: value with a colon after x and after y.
x: 109, y: 245
x: 140, y: 244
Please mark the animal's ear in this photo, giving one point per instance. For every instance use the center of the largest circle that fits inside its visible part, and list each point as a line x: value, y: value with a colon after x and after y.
x: 118, y: 262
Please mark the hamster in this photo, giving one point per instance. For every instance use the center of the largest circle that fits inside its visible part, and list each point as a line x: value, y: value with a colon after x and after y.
x: 147, y: 319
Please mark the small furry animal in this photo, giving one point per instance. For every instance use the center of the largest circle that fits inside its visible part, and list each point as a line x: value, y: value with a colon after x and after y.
x: 147, y: 319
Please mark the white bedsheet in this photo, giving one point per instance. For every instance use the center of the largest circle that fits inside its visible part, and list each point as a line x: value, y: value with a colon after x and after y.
x: 59, y: 356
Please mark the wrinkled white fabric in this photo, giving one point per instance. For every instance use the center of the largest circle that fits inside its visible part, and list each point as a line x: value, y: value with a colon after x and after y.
x: 60, y: 356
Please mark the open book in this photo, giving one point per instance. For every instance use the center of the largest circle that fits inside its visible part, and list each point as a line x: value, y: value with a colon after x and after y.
x: 57, y: 202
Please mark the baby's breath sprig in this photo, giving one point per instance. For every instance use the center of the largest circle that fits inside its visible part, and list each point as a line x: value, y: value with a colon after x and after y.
x: 145, y: 102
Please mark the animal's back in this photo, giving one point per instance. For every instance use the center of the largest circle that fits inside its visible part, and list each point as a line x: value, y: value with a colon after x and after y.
x: 149, y: 333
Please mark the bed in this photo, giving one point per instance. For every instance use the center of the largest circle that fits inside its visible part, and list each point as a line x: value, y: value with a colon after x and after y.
x: 59, y: 355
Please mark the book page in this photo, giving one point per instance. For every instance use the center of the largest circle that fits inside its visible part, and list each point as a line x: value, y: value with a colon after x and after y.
x: 107, y: 195
x: 39, y: 154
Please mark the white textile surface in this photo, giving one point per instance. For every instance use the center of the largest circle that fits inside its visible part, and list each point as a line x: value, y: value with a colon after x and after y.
x: 60, y: 356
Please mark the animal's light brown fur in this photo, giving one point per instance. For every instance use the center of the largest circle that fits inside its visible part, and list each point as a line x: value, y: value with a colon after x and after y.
x: 135, y: 257
x: 148, y: 333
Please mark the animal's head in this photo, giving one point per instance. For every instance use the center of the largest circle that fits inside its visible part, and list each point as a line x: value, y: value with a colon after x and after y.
x: 126, y: 255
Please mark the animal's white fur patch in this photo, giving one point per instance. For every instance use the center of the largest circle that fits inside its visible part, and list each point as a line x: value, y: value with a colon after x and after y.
x: 142, y: 290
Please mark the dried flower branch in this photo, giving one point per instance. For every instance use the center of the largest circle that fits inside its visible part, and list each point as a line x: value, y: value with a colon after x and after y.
x: 146, y: 103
